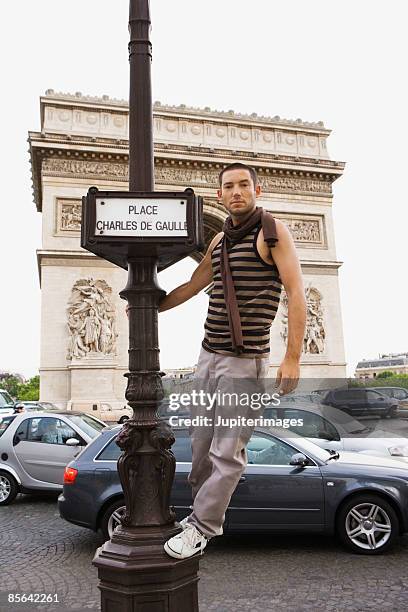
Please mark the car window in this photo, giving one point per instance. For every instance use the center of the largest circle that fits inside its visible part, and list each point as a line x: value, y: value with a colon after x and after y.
x: 89, y: 425
x: 310, y: 425
x: 349, y: 395
x: 4, y: 423
x: 21, y: 431
x: 111, y: 452
x: 49, y: 430
x: 5, y: 399
x: 269, y: 451
x: 181, y: 449
x: 373, y: 396
x: 388, y: 392
x: 401, y: 394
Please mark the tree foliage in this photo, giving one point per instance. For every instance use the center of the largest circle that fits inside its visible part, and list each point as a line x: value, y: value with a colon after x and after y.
x: 10, y: 382
x: 24, y: 390
x: 30, y: 390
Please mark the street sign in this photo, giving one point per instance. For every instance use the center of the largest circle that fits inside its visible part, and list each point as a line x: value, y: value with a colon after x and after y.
x: 138, y: 216
x: 117, y: 225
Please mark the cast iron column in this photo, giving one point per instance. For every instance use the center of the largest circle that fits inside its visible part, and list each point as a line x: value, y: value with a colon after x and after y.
x: 134, y: 571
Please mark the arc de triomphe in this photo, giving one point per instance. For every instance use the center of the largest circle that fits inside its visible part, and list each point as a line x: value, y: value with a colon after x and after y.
x: 83, y: 142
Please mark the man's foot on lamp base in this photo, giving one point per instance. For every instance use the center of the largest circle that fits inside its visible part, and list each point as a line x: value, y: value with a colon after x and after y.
x: 186, y: 544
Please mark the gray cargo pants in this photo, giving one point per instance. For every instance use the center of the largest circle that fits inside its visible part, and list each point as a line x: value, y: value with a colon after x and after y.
x: 219, y: 454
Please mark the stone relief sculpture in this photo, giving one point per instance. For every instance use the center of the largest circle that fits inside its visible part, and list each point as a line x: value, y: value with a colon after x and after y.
x: 91, y: 319
x: 315, y: 336
x: 303, y: 230
x: 70, y: 216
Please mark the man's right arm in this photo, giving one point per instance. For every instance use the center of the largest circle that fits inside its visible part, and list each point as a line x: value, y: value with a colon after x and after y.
x: 201, y: 278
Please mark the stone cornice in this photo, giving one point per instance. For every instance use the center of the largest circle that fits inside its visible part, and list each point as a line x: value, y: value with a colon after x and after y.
x: 58, y: 156
x: 78, y: 99
x: 113, y: 147
x: 54, y: 256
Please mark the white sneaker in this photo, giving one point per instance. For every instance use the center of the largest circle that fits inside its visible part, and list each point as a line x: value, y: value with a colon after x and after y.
x: 186, y: 544
x: 184, y: 522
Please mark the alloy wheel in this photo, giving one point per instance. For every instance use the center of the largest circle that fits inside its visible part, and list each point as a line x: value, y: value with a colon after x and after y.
x: 5, y: 488
x: 368, y: 526
x: 115, y: 519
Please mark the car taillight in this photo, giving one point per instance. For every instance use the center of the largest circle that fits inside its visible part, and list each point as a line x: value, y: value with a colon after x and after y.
x: 69, y: 475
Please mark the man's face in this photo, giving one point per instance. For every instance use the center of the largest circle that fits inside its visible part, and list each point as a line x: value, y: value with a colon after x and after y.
x: 238, y: 193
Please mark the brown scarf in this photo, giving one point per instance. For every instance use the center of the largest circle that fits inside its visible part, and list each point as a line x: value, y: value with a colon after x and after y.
x: 232, y: 235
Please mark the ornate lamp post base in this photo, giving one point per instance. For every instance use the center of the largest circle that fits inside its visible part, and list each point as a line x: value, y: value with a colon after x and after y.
x: 136, y: 575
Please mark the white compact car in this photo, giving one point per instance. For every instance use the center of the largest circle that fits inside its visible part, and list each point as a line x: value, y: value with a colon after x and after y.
x: 336, y: 430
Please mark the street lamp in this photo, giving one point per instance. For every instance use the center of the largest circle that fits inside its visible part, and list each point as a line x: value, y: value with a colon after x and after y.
x: 135, y: 573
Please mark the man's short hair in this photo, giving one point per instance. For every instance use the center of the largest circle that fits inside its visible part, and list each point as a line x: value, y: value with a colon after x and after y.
x: 239, y: 166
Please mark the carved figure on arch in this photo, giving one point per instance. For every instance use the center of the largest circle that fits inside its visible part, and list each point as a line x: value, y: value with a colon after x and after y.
x: 315, y: 335
x: 91, y: 319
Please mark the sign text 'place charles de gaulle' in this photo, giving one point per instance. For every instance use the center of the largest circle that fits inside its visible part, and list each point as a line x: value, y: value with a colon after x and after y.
x: 141, y: 217
x: 165, y: 225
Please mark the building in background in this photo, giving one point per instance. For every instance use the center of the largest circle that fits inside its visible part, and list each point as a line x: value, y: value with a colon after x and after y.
x: 84, y: 141
x: 397, y: 363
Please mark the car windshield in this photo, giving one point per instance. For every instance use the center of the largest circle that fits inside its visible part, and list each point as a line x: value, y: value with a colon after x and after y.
x: 88, y: 424
x: 4, y: 423
x: 5, y: 400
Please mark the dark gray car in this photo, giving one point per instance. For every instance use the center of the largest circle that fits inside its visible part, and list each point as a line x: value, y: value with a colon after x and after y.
x: 359, y: 401
x: 290, y: 484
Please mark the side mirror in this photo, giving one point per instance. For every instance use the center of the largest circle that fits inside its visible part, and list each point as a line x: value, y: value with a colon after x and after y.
x: 299, y: 460
x: 72, y: 442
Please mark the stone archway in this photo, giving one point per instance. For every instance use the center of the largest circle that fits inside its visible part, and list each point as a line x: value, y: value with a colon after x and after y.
x: 214, y: 217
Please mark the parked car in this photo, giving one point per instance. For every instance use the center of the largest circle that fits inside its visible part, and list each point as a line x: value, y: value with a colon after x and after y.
x: 37, y: 405
x: 398, y: 393
x: 102, y: 410
x: 6, y: 404
x: 359, y: 401
x: 290, y: 484
x: 35, y: 447
x: 334, y: 429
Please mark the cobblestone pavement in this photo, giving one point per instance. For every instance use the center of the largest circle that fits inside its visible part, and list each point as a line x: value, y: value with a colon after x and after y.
x: 41, y: 553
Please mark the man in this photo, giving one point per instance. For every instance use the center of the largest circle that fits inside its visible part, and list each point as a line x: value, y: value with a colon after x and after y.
x: 53, y: 433
x: 248, y: 263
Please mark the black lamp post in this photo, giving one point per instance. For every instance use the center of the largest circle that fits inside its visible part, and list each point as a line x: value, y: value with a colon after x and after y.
x: 135, y: 573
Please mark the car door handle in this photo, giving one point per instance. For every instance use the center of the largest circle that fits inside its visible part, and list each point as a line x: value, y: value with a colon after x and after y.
x: 242, y: 479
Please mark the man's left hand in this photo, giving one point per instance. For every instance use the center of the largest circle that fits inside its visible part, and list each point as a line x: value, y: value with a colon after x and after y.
x: 287, y: 377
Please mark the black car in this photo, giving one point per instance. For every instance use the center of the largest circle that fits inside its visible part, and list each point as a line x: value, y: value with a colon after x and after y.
x: 290, y: 484
x: 361, y: 402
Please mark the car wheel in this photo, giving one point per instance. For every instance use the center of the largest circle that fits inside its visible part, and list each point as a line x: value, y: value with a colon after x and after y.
x: 367, y: 524
x: 8, y: 488
x: 111, y: 518
x: 123, y: 420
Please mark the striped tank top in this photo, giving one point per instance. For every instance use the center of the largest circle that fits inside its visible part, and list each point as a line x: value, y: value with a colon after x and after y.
x: 258, y: 289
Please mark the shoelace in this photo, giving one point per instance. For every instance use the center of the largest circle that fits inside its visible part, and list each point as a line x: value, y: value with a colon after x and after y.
x: 191, y: 536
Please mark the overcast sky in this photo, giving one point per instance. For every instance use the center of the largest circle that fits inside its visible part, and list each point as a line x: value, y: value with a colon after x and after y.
x: 341, y: 63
